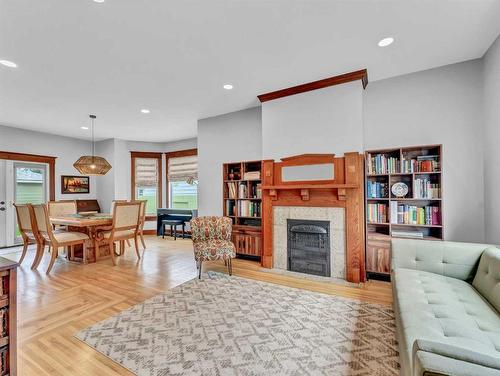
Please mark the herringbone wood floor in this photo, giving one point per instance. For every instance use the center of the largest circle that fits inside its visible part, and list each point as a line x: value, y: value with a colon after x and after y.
x: 52, y: 308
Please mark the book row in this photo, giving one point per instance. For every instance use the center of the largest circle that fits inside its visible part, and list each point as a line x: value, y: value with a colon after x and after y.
x: 376, y: 213
x: 424, y: 163
x: 242, y: 208
x: 381, y: 164
x: 414, y: 215
x: 375, y: 189
x: 424, y: 188
x: 241, y: 190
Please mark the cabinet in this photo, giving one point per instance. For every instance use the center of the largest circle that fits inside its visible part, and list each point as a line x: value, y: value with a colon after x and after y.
x: 8, y: 317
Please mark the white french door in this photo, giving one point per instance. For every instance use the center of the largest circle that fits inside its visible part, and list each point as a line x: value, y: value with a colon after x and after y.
x: 22, y: 183
x: 3, y: 204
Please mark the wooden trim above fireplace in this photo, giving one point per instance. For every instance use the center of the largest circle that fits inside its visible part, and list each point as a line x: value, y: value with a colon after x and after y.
x: 346, y: 190
x: 320, y: 84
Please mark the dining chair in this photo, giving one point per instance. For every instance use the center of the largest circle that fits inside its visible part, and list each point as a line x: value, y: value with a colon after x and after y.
x: 142, y: 219
x: 126, y: 221
x: 112, y: 208
x: 62, y: 208
x: 56, y: 239
x: 212, y: 241
x: 26, y: 228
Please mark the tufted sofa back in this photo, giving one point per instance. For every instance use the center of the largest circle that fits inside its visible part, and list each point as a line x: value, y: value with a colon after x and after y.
x: 487, y: 279
x: 451, y: 259
x: 211, y: 228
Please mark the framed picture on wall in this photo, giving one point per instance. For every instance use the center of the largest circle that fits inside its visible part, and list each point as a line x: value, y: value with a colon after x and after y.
x: 75, y: 184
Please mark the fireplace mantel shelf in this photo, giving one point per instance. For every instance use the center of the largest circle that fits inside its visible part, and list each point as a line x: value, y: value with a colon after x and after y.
x: 311, y: 186
x: 304, y: 189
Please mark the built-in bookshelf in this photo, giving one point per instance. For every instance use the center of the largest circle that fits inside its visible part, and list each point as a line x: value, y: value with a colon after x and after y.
x: 415, y: 211
x: 242, y: 202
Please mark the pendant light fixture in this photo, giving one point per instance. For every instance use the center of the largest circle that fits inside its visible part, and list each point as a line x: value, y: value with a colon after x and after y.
x: 92, y: 164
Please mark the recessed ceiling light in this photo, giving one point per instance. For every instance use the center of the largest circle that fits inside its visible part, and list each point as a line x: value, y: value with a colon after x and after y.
x: 386, y: 42
x: 228, y: 86
x: 85, y: 128
x: 145, y: 111
x: 8, y: 63
x: 99, y: 1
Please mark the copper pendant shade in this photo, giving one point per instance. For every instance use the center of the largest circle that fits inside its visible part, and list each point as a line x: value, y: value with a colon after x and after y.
x: 92, y: 164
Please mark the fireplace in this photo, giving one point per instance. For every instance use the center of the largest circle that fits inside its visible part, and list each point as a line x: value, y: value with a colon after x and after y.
x: 308, y: 246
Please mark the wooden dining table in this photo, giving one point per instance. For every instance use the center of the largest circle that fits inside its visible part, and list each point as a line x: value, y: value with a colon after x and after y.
x: 89, y: 224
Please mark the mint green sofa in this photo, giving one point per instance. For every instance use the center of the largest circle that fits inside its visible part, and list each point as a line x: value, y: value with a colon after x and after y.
x: 447, y: 304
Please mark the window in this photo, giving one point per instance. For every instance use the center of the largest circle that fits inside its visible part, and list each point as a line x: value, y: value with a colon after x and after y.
x: 146, y: 179
x: 183, y: 180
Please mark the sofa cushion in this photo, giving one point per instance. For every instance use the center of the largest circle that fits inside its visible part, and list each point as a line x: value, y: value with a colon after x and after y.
x: 443, y: 309
x: 452, y: 259
x: 487, y: 279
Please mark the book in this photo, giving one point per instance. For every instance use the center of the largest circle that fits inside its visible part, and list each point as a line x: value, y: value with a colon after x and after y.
x: 407, y: 234
x: 251, y: 175
x: 232, y: 190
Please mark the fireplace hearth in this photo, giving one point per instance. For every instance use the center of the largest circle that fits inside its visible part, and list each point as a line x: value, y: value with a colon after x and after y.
x: 308, y: 246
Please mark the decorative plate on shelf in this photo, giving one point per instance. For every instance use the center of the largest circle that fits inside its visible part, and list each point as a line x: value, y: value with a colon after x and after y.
x: 399, y: 189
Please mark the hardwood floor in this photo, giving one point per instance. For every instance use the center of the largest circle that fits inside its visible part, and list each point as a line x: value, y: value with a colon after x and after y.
x: 51, y: 309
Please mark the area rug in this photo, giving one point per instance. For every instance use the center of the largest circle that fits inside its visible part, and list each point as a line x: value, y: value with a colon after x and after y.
x: 223, y: 325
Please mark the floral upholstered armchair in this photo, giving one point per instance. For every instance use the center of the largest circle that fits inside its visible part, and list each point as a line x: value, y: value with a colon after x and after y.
x: 212, y: 240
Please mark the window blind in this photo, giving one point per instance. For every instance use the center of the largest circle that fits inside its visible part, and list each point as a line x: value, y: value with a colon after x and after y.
x: 146, y: 172
x: 183, y: 168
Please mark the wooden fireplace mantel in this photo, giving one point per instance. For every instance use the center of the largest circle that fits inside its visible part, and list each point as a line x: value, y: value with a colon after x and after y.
x: 345, y: 190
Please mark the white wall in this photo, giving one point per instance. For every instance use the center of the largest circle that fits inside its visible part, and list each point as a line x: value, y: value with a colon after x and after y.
x: 66, y: 149
x: 328, y: 120
x: 105, y: 195
x: 492, y: 142
x: 227, y: 138
x: 438, y: 106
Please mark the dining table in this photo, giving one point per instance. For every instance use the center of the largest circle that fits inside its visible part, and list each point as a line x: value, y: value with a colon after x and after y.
x: 92, y: 224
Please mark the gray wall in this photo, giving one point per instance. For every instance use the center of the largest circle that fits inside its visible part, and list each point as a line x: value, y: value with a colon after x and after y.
x: 227, y: 138
x: 492, y: 142
x: 328, y: 120
x: 66, y: 149
x: 437, y: 106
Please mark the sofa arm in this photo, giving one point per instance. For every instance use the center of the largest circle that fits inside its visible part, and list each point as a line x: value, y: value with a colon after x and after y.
x: 435, y: 358
x: 452, y: 259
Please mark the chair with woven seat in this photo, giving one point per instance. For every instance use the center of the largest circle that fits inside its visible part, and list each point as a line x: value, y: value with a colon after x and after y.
x: 212, y: 240
x: 26, y: 228
x: 55, y: 239
x: 126, y: 223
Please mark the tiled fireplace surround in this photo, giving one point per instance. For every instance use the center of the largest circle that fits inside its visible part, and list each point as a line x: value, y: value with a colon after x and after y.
x: 334, y: 215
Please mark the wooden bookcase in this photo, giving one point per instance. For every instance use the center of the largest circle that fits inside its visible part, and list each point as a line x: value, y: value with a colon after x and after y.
x: 424, y: 182
x: 242, y: 202
x: 8, y: 317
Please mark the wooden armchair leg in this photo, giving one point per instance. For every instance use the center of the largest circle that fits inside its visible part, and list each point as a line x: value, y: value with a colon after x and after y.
x: 142, y: 239
x: 40, y: 246
x: 53, y: 257
x: 112, y: 253
x: 199, y: 270
x: 136, y: 242
x: 25, y: 249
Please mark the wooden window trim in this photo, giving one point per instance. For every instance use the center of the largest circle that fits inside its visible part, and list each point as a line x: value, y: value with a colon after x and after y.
x: 51, y: 161
x: 147, y: 154
x: 176, y: 154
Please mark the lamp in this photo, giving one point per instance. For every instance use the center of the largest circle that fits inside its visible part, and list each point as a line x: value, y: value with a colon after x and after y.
x: 92, y: 164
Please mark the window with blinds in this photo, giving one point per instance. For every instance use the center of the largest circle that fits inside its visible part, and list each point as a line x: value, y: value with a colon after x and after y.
x: 183, y: 182
x: 147, y: 182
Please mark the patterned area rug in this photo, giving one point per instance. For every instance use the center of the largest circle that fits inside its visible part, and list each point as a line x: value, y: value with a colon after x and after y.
x: 223, y: 325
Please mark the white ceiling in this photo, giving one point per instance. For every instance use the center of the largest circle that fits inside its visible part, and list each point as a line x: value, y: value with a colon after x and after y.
x: 78, y: 57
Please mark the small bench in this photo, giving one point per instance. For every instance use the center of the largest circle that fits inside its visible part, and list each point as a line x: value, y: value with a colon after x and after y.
x: 173, y: 223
